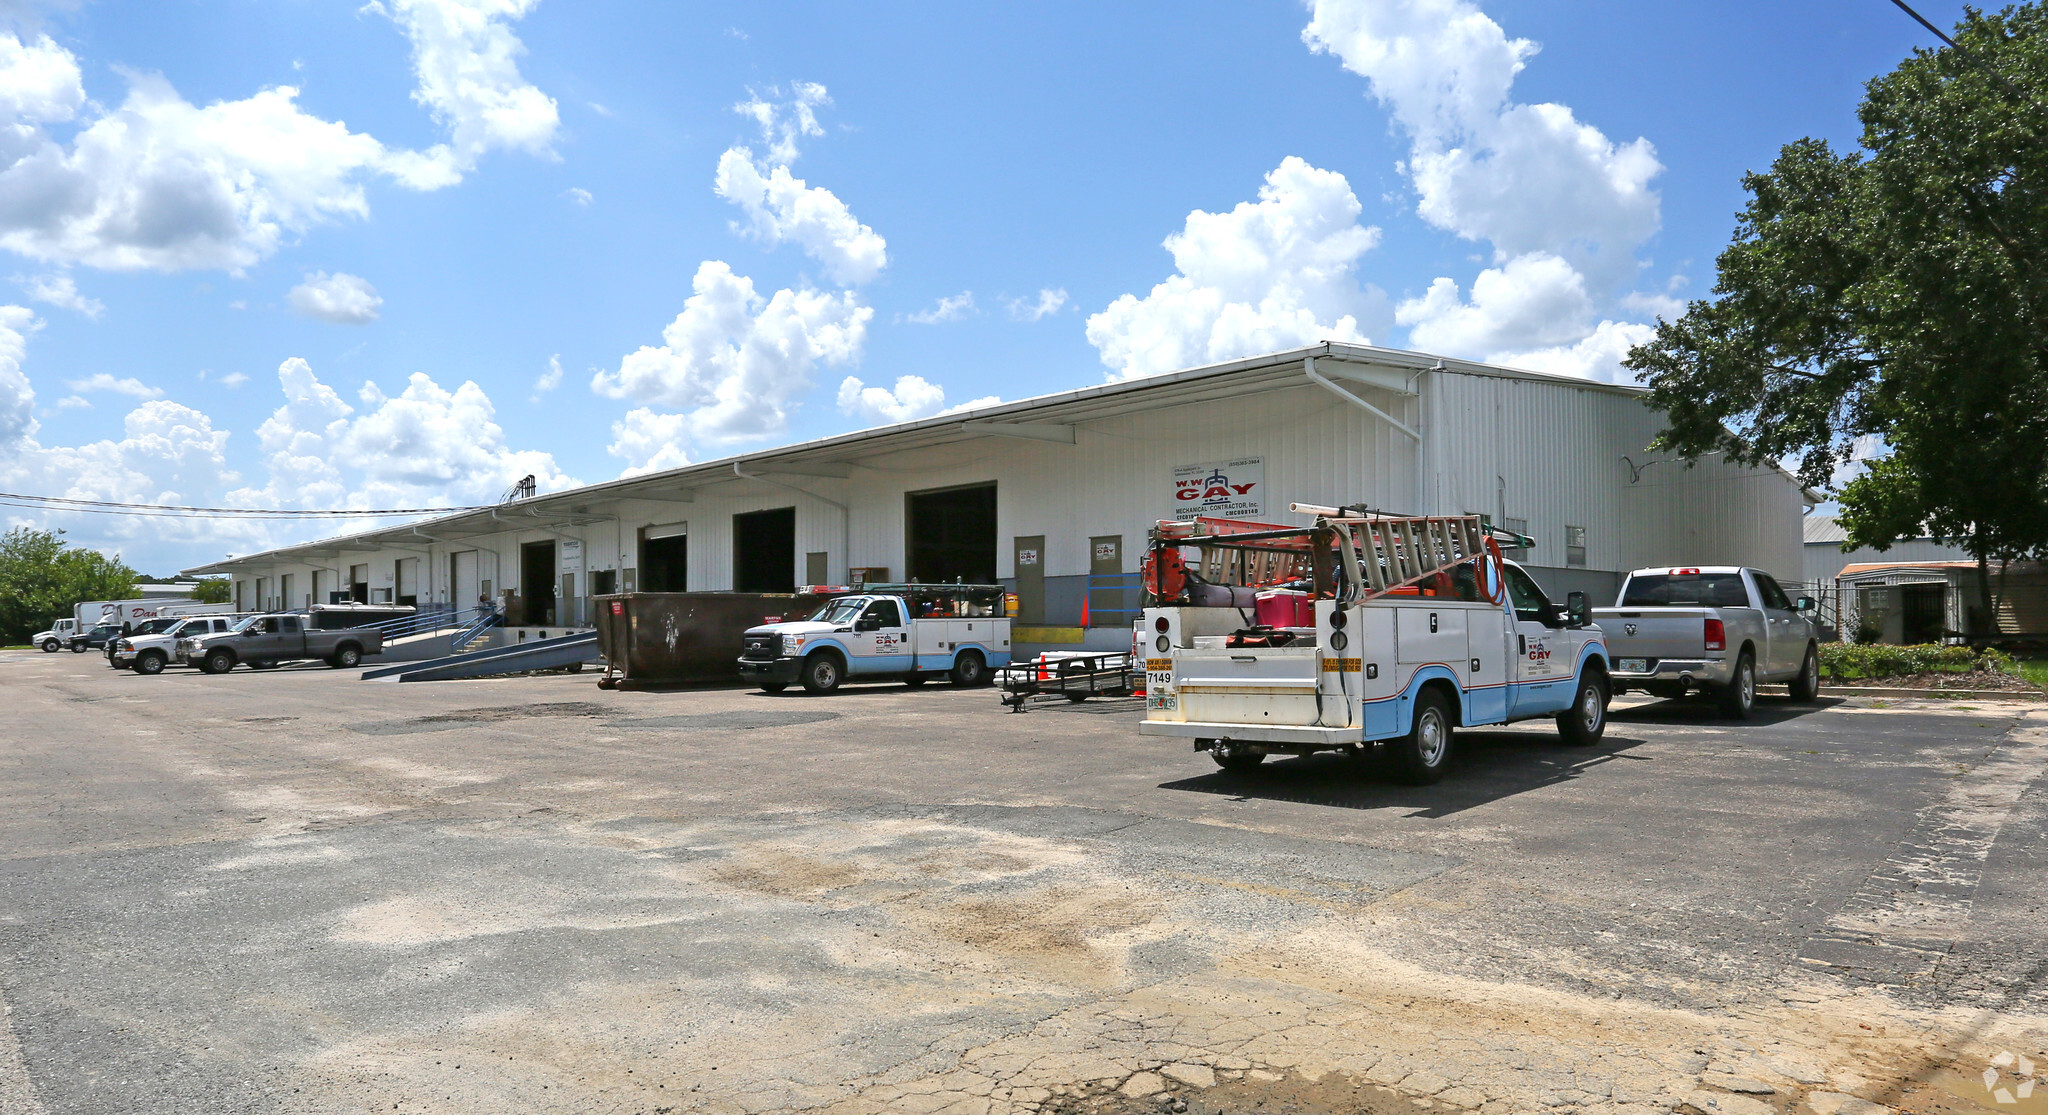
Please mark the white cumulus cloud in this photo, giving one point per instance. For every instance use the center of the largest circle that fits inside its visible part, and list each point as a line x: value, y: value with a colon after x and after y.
x: 1597, y: 355
x: 126, y: 385
x: 1526, y: 178
x: 735, y: 361
x: 424, y: 447
x: 466, y: 60
x: 952, y: 307
x: 17, y: 398
x: 912, y: 397
x: 1266, y: 275
x: 780, y: 207
x: 1050, y: 301
x: 649, y: 441
x: 785, y: 117
x: 341, y: 298
x: 550, y: 379
x: 159, y: 183
x: 61, y: 291
x: 1531, y: 301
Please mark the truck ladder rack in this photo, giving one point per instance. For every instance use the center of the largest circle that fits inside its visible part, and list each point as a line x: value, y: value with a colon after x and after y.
x: 1386, y: 552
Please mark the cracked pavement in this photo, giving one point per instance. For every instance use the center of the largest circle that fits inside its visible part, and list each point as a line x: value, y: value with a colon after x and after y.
x: 297, y: 892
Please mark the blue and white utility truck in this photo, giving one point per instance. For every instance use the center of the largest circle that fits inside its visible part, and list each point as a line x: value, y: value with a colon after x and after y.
x: 1378, y: 634
x: 909, y: 632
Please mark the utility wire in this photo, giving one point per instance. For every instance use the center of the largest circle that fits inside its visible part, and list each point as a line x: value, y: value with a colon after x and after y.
x: 112, y: 507
x: 1922, y: 20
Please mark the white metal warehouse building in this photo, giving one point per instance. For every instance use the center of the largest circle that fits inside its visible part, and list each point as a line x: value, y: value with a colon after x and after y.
x: 1044, y: 493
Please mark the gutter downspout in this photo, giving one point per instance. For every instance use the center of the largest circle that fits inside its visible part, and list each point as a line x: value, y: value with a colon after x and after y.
x: 1308, y: 365
x: 845, y: 515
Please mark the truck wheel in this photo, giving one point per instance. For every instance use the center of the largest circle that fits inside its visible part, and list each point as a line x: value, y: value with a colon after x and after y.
x: 51, y: 646
x: 79, y: 647
x: 1738, y: 697
x: 1806, y: 686
x: 822, y: 673
x: 218, y: 662
x: 1585, y: 722
x: 346, y: 658
x: 1235, y: 756
x: 969, y: 669
x: 773, y: 687
x: 149, y: 662
x: 1420, y: 757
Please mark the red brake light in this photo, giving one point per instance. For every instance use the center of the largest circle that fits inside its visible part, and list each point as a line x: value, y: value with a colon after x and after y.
x: 1161, y: 624
x: 1717, y: 636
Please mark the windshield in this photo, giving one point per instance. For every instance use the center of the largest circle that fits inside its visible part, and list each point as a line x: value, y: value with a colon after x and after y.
x: 158, y: 626
x: 1710, y: 590
x: 842, y: 610
x: 248, y: 623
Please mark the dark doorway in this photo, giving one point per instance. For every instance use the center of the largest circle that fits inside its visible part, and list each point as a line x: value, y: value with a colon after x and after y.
x: 1926, y: 612
x: 952, y: 535
x: 664, y: 559
x: 764, y: 551
x: 537, y: 583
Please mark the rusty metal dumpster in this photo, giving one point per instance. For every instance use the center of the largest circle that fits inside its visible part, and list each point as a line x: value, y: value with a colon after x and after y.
x: 668, y: 638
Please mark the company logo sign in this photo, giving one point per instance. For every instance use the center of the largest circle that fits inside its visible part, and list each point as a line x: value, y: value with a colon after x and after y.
x: 1220, y: 489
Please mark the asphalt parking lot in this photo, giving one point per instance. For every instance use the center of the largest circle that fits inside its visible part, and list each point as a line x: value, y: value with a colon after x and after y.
x: 294, y: 891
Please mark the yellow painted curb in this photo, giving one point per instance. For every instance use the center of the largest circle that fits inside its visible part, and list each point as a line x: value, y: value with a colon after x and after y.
x: 1046, y: 634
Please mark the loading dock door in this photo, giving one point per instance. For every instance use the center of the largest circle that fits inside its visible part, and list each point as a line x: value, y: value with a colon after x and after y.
x: 537, y: 582
x: 664, y: 558
x: 1030, y: 559
x: 952, y: 535
x: 463, y: 577
x: 764, y: 551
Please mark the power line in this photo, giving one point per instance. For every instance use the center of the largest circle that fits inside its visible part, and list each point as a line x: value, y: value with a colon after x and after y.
x: 1922, y: 20
x: 166, y: 510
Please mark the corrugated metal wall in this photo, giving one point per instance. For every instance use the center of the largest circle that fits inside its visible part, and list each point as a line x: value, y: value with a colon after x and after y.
x: 1549, y: 453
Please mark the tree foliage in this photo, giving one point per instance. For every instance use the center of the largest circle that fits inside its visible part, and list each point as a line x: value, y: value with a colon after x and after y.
x: 213, y: 590
x: 1892, y: 297
x: 42, y: 579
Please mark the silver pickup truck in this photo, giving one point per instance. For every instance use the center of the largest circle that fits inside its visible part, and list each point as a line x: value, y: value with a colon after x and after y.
x: 261, y: 642
x: 1721, y: 629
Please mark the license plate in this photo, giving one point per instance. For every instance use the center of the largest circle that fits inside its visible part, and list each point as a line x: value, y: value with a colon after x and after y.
x: 1632, y: 665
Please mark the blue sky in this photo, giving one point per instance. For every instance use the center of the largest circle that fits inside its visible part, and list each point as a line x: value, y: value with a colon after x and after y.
x: 355, y: 297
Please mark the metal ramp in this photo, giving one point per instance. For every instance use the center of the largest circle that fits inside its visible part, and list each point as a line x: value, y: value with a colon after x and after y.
x: 518, y: 658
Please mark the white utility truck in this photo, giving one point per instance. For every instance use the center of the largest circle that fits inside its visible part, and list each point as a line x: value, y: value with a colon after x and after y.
x: 906, y: 632
x: 1376, y: 633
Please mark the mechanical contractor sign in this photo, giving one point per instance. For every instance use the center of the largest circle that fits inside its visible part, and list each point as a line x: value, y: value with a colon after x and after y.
x: 1220, y: 489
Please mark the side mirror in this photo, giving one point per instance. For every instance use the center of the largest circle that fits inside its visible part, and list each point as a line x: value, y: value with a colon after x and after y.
x: 1803, y: 604
x: 1575, y: 606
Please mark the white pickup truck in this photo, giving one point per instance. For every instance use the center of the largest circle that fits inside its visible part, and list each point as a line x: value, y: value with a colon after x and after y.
x: 154, y: 645
x: 1419, y: 627
x: 1720, y: 629
x: 907, y: 632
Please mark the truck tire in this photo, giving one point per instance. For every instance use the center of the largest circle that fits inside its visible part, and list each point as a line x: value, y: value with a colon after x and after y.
x: 1738, y: 697
x: 346, y: 656
x: 218, y: 661
x: 52, y: 646
x: 1585, y: 722
x: 1420, y: 757
x: 969, y: 669
x: 1235, y: 756
x: 822, y: 673
x: 79, y: 647
x: 1806, y: 687
x: 149, y: 663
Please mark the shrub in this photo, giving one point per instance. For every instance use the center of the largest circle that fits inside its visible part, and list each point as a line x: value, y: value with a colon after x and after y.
x: 1868, y: 631
x: 1843, y: 660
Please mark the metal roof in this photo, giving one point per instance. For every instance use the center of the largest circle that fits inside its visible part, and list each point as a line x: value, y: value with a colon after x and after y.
x: 1040, y: 417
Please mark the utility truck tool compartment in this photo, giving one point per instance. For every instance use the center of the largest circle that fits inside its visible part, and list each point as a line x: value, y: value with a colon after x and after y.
x: 1266, y: 685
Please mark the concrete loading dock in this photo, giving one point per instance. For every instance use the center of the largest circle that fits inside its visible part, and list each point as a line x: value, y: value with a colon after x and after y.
x: 1052, y: 496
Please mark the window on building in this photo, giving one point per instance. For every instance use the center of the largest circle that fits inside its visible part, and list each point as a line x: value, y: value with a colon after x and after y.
x: 1575, y: 546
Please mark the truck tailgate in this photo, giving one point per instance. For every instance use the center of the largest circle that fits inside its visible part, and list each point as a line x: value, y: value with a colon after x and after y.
x: 1651, y: 634
x: 1262, y: 685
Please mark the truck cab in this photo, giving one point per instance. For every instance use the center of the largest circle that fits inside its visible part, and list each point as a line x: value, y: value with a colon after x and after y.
x: 910, y: 632
x: 1397, y: 632
x: 57, y: 637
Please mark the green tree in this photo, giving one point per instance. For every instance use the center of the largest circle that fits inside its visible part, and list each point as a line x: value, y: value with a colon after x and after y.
x: 213, y: 590
x: 1893, y: 296
x: 42, y: 578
